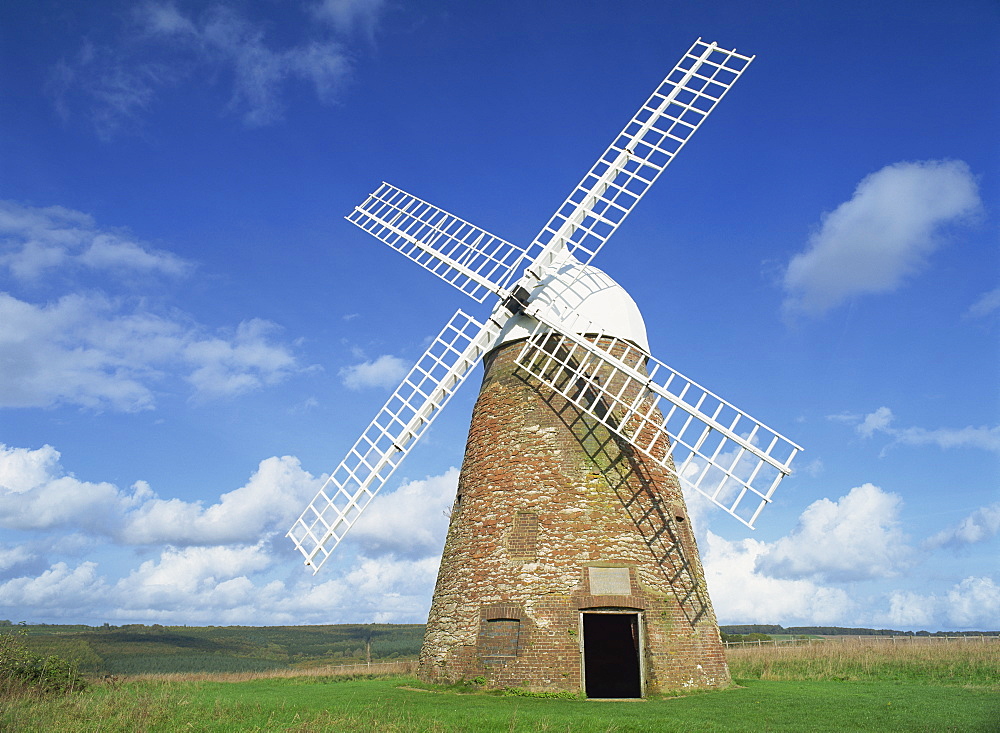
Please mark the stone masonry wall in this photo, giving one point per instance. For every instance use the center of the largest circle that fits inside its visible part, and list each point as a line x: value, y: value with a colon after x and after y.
x: 545, y: 494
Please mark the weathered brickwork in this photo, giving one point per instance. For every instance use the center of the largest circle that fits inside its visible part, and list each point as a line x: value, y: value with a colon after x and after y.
x: 545, y: 494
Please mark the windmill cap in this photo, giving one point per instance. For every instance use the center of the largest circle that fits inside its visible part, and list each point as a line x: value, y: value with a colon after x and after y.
x: 583, y: 299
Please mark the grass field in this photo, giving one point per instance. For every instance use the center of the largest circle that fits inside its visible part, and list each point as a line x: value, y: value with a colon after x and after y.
x: 824, y: 687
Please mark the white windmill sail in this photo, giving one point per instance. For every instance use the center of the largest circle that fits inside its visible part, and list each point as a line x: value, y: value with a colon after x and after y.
x: 713, y: 447
x: 463, y: 255
x: 640, y: 153
x: 390, y: 436
x: 717, y: 448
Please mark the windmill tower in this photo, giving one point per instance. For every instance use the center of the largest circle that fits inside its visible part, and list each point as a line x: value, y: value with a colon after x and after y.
x: 570, y: 563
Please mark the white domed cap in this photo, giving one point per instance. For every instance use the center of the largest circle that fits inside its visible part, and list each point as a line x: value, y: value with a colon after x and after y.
x: 577, y: 295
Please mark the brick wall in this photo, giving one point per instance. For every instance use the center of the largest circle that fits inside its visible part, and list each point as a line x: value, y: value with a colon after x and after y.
x: 545, y: 494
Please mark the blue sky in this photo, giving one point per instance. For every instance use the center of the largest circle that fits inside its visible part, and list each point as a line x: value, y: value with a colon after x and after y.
x: 191, y: 335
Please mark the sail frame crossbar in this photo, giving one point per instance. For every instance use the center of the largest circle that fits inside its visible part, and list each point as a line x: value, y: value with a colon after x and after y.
x: 713, y: 447
x: 406, y: 415
x: 465, y: 256
x: 639, y: 154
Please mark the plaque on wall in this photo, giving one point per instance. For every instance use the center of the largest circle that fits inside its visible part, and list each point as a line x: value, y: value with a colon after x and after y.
x: 609, y: 582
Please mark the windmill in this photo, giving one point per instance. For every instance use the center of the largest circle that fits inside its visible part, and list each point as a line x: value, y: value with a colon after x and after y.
x: 570, y: 563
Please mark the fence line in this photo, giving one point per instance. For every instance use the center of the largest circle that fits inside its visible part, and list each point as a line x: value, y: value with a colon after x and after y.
x: 862, y: 639
x: 400, y: 666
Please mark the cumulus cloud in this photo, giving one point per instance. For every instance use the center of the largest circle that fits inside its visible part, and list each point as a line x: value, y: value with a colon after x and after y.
x: 973, y: 603
x: 883, y: 235
x: 267, y: 503
x: 12, y: 557
x: 909, y: 609
x: 384, y: 590
x: 161, y: 47
x: 386, y: 371
x: 979, y: 526
x: 178, y: 561
x: 104, y: 353
x: 880, y: 421
x: 743, y: 594
x: 50, y: 590
x: 36, y: 493
x: 854, y: 538
x: 225, y: 585
x: 800, y: 579
x: 34, y: 241
x: 211, y: 577
x: 412, y: 520
x: 101, y: 351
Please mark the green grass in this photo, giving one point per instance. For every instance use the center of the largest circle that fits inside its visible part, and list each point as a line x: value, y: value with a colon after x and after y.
x: 931, y: 663
x: 835, y: 686
x: 319, y: 704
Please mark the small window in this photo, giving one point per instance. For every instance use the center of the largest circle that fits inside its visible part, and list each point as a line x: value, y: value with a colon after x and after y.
x: 500, y: 637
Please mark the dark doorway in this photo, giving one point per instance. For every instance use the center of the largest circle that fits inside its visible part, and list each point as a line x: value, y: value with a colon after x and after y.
x: 611, y: 655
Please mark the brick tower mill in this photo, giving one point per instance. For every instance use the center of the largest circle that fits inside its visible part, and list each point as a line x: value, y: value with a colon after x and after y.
x: 570, y: 564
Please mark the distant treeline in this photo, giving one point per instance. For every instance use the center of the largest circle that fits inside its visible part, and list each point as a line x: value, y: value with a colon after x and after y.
x: 138, y: 649
x: 772, y: 629
x: 353, y: 632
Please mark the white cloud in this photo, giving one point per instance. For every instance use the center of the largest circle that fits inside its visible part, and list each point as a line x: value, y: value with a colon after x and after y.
x: 742, y: 594
x: 815, y: 575
x: 983, y: 437
x: 36, y: 240
x: 227, y: 562
x: 909, y: 610
x: 243, y: 362
x: 269, y: 502
x: 386, y: 371
x: 177, y: 561
x: 973, y: 603
x: 11, y: 557
x: 209, y: 576
x: 878, y: 420
x: 54, y: 587
x: 383, y: 589
x: 979, y: 526
x: 164, y: 47
x: 224, y: 585
x: 105, y: 352
x: 410, y: 521
x: 854, y: 538
x: 37, y: 494
x: 988, y: 303
x: 101, y: 353
x: 350, y: 15
x: 882, y: 236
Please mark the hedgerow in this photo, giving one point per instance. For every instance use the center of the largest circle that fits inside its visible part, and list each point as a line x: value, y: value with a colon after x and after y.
x: 23, y: 671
